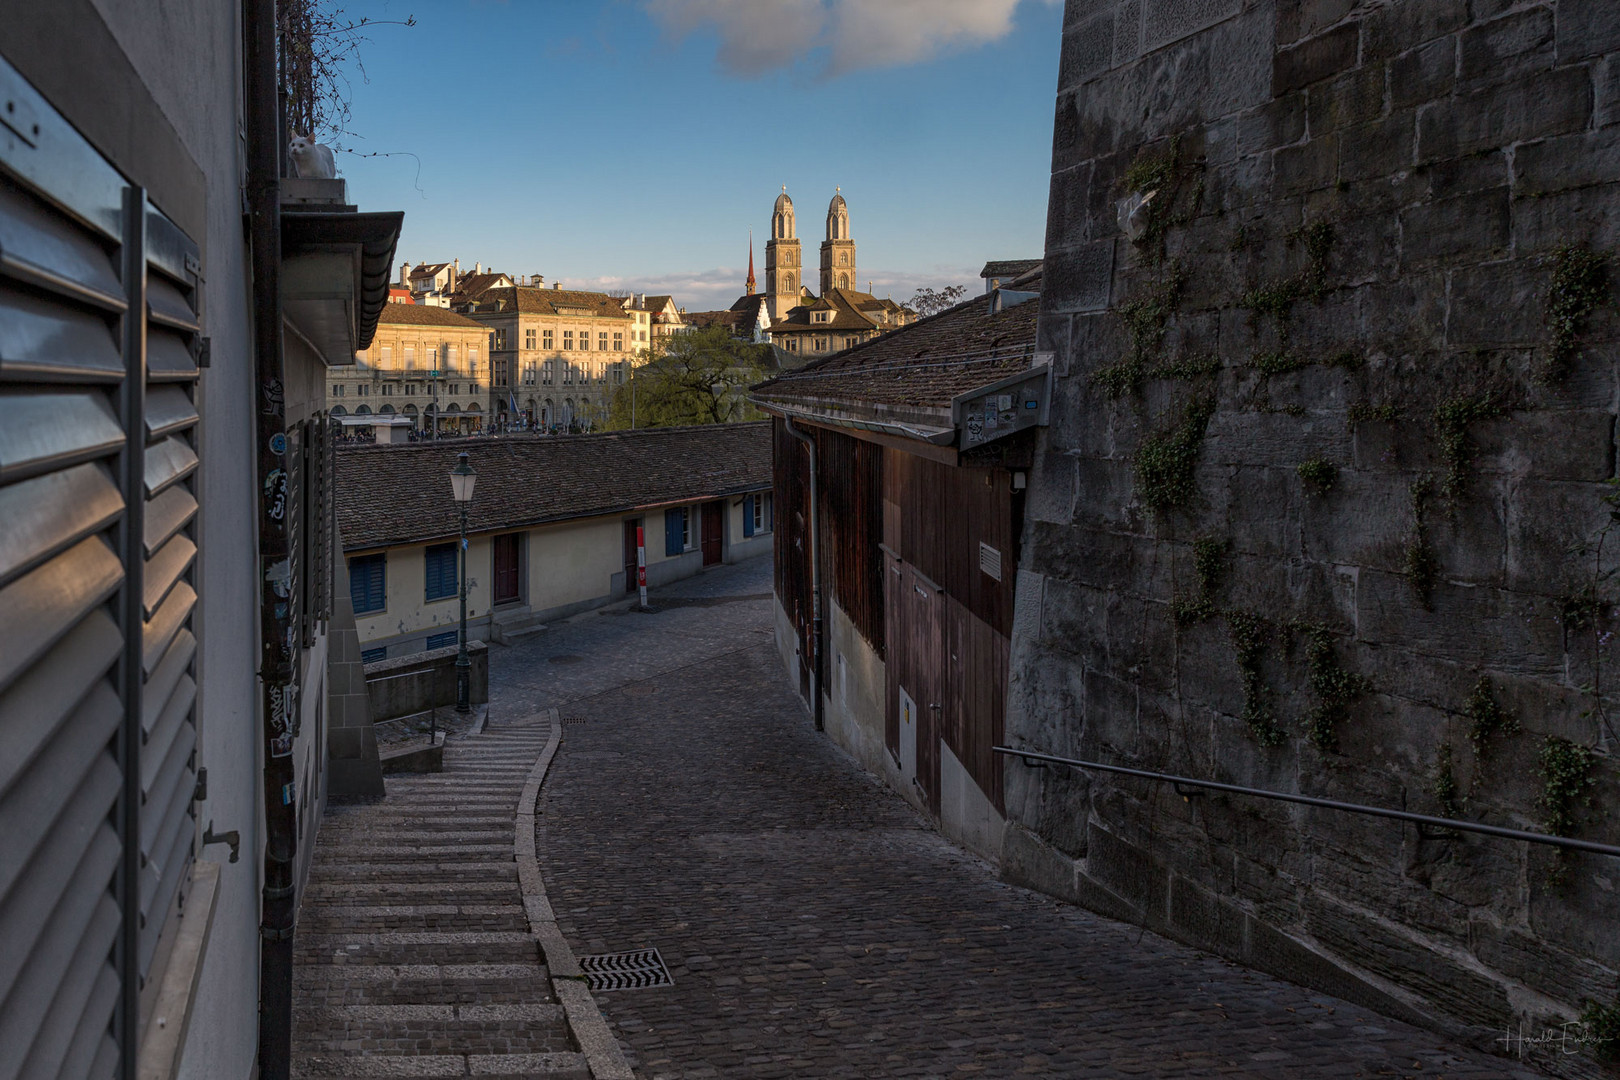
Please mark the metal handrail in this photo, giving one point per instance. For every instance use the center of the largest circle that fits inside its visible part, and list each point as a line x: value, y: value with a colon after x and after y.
x: 1422, y: 820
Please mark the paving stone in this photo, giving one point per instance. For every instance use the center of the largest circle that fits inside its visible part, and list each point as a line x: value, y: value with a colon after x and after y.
x: 814, y: 926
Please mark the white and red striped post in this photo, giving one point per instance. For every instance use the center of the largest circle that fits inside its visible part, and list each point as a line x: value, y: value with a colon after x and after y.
x: 641, y: 563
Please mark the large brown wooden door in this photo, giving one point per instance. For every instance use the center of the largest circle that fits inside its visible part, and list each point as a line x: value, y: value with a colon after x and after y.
x: 713, y: 523
x: 508, y: 568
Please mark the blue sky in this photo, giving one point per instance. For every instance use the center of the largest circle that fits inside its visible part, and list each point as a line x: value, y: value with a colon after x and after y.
x: 632, y: 144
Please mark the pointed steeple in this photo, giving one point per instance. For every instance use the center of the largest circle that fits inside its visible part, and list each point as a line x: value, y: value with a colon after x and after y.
x: 751, y: 282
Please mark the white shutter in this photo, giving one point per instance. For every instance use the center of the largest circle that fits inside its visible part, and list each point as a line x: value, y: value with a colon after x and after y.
x: 97, y: 591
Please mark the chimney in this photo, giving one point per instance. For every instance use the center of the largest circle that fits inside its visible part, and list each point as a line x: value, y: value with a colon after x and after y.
x: 478, y: 268
x: 539, y: 281
x: 405, y: 274
x: 556, y: 284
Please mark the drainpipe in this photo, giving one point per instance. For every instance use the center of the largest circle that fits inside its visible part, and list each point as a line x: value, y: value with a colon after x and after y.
x: 816, y: 628
x: 277, y: 687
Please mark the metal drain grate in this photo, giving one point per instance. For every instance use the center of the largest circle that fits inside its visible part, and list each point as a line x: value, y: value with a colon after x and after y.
x: 639, y: 970
x: 573, y: 719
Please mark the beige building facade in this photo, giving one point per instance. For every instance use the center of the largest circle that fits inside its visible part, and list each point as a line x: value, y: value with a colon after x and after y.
x: 424, y: 362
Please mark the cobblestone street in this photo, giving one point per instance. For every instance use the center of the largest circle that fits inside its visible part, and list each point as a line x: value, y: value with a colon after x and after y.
x: 815, y: 927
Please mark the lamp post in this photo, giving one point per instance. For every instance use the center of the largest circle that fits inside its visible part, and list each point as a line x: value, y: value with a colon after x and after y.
x: 462, y: 478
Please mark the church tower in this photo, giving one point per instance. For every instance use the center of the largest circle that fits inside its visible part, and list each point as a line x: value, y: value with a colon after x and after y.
x: 838, y: 250
x: 782, y: 262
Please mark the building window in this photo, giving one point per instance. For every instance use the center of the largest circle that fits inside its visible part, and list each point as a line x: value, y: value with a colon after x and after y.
x: 548, y: 339
x: 677, y: 531
x: 618, y: 342
x: 410, y: 358
x: 568, y: 340
x: 337, y: 389
x: 472, y: 359
x: 528, y: 339
x: 371, y: 656
x: 440, y: 560
x: 601, y: 341
x: 758, y: 514
x: 497, y: 340
x: 821, y: 344
x: 368, y: 582
x: 361, y: 389
x: 410, y: 389
x: 444, y: 640
x: 530, y: 372
x: 387, y: 355
x: 585, y: 341
x: 388, y: 390
x: 618, y: 373
x: 450, y: 356
x: 549, y: 372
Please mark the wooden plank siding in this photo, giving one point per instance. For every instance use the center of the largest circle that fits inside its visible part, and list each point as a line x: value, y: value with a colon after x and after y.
x: 790, y: 462
x: 852, y: 528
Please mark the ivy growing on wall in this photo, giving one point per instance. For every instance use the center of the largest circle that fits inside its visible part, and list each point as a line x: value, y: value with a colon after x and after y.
x: 1167, y: 459
x: 1580, y: 285
x: 1567, y: 783
x: 1331, y: 685
x: 1208, y: 555
x: 1249, y: 635
x: 1421, y: 566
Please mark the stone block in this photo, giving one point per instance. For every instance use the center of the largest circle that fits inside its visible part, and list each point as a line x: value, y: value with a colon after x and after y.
x: 1500, y: 303
x: 1423, y: 74
x: 1377, y: 149
x: 1536, y: 106
x: 1203, y: 919
x: 1587, y: 28
x: 1571, y: 161
x: 1575, y: 216
x: 1279, y: 122
x: 1074, y: 620
x: 1450, y: 177
x: 1052, y: 489
x: 1508, y: 46
x: 1302, y: 18
x: 1559, y: 973
x: 1274, y: 439
x: 1065, y: 805
x: 1106, y: 493
x: 1028, y: 861
x: 1128, y: 32
x: 1394, y: 28
x: 1128, y: 871
x: 1546, y: 523
x: 1477, y: 225
x: 1311, y: 166
x: 1570, y: 444
x: 1363, y: 521
x: 1352, y: 98
x: 1079, y: 278
x: 1088, y: 49
x: 1314, y: 59
x: 1111, y: 720
x: 1272, y: 950
x: 1170, y: 20
x: 1078, y: 11
x: 1606, y: 84
x: 1068, y: 218
x: 1385, y: 949
x: 1467, y: 625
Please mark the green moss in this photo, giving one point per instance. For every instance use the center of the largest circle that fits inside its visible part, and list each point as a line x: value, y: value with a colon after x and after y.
x: 1603, y: 1028
x: 1317, y: 475
x: 1348, y: 360
x: 1444, y: 786
x: 1582, y: 608
x: 1451, y: 420
x: 1580, y: 285
x: 1188, y: 367
x: 1152, y: 171
x: 1276, y: 299
x: 1333, y: 687
x: 1486, y: 720
x: 1166, y: 173
x: 1167, y: 460
x: 1209, y: 557
x: 1249, y: 635
x: 1279, y: 362
x: 1146, y: 318
x: 1566, y: 783
x: 1363, y: 411
x: 1421, y: 566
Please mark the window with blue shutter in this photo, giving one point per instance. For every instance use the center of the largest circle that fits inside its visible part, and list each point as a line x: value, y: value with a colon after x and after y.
x: 674, y: 531
x: 748, y: 515
x: 441, y: 641
x: 440, y: 560
x: 371, y: 656
x: 368, y: 582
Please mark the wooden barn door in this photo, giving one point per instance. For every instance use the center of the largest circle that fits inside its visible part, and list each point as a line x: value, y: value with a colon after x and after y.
x: 925, y: 671
x: 714, y: 516
x: 508, y: 568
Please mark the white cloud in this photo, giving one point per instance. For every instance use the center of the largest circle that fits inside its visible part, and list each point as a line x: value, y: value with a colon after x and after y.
x: 835, y: 36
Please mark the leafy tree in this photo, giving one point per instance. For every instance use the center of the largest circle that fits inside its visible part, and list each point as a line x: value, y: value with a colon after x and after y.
x: 932, y: 301
x: 695, y: 377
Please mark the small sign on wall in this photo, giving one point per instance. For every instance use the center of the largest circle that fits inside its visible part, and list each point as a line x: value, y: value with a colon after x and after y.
x: 1003, y: 408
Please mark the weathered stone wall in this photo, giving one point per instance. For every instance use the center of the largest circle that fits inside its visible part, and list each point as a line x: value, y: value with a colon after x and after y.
x: 1322, y: 507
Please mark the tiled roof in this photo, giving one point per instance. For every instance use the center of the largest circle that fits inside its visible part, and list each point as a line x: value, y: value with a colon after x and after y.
x: 1007, y: 268
x: 922, y: 365
x: 399, y: 494
x: 847, y: 306
x: 529, y: 301
x: 702, y: 320
x: 425, y: 315
x: 657, y: 303
x: 472, y: 286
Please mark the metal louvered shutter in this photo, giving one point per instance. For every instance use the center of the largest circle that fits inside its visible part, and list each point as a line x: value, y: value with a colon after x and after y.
x: 97, y: 450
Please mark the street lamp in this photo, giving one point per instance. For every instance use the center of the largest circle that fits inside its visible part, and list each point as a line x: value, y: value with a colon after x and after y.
x: 462, y: 479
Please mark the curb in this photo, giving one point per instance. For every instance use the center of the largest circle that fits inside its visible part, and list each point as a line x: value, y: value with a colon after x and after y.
x: 602, y: 1053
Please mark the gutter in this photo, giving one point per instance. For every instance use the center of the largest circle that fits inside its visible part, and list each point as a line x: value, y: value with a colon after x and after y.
x: 816, y: 629
x: 932, y: 436
x: 263, y: 196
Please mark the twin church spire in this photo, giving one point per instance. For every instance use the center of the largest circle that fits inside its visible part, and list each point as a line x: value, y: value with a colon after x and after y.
x: 784, y: 266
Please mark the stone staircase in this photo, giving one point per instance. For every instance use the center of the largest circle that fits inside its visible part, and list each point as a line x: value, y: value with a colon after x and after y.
x: 414, y: 955
x: 513, y: 624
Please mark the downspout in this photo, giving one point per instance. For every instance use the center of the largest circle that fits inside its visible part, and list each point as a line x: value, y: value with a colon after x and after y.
x: 816, y: 628
x: 277, y: 686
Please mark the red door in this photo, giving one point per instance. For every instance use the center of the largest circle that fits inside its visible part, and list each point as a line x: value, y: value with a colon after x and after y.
x: 713, y: 522
x: 508, y: 584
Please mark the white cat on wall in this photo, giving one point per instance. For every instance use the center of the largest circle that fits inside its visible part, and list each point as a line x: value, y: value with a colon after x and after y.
x: 311, y: 159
